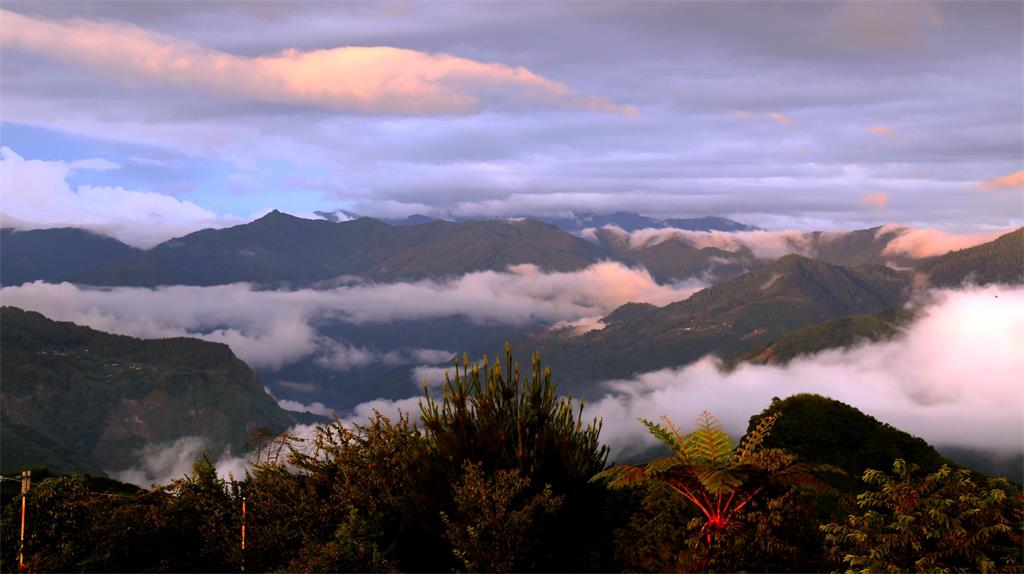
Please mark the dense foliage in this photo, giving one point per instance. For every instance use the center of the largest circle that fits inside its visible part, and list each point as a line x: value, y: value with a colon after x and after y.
x: 945, y: 521
x: 817, y: 428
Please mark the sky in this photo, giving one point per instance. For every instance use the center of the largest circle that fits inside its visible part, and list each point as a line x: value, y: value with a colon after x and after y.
x: 165, y: 117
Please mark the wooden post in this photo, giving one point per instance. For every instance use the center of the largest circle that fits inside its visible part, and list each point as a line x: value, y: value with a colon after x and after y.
x: 243, y: 534
x: 26, y: 483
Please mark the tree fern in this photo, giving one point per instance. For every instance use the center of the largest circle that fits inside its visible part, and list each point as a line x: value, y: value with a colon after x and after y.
x: 714, y: 474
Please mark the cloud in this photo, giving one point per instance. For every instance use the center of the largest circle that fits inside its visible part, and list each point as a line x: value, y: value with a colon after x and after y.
x: 339, y: 356
x: 273, y: 328
x: 926, y: 242
x: 161, y: 463
x: 432, y: 376
x: 953, y: 379
x: 1014, y: 180
x: 373, y: 79
x: 781, y: 119
x: 681, y: 156
x: 878, y: 28
x: 94, y: 163
x: 911, y: 241
x: 881, y: 130
x: 879, y: 199
x: 37, y: 195
x: 297, y: 386
x: 431, y: 356
x: 580, y: 326
x: 298, y: 407
x: 763, y: 244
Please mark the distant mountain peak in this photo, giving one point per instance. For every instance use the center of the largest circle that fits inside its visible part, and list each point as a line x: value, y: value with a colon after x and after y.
x: 275, y: 214
x: 630, y: 221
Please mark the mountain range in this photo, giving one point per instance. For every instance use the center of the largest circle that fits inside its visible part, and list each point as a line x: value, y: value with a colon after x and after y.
x: 574, y: 223
x: 279, y: 249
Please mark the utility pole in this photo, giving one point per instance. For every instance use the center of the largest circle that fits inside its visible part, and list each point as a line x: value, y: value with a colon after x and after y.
x: 26, y: 483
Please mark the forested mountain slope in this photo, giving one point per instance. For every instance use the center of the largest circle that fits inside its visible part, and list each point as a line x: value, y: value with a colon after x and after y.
x: 56, y: 254
x: 725, y: 319
x: 78, y: 399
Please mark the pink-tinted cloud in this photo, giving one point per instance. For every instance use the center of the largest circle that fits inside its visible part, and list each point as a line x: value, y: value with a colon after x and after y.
x: 882, y: 130
x: 885, y: 26
x: 925, y: 242
x: 1013, y: 181
x: 763, y: 244
x: 781, y: 119
x: 375, y: 79
x: 878, y: 199
x: 908, y: 241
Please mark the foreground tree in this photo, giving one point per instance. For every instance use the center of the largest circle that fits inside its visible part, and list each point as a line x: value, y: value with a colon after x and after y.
x: 493, y: 415
x: 500, y: 419
x: 945, y: 521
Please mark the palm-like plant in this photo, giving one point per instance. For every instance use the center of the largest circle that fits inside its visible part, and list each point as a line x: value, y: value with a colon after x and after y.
x: 713, y: 473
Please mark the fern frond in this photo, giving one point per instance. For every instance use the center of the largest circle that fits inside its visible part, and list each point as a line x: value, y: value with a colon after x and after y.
x: 621, y: 476
x: 666, y: 436
x: 662, y: 465
x: 718, y: 480
x: 755, y: 438
x: 709, y: 444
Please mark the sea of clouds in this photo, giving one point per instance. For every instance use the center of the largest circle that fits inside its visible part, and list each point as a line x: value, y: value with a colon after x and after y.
x: 269, y: 329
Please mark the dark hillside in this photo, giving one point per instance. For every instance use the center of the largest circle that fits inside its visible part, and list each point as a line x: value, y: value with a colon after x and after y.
x: 79, y: 399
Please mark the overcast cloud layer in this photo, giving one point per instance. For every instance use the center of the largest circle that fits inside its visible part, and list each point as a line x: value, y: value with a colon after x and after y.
x: 784, y: 115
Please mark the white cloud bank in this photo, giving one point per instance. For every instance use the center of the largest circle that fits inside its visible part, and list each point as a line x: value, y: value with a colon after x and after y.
x: 374, y: 79
x: 163, y: 462
x: 955, y: 378
x: 909, y: 241
x: 37, y: 195
x: 273, y: 328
